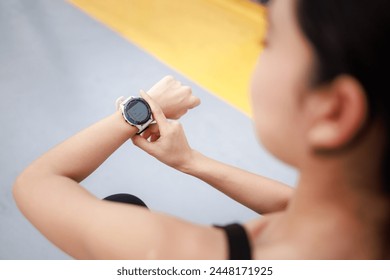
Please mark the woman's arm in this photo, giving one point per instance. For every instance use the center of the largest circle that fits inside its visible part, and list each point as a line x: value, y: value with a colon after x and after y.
x: 169, y: 145
x: 88, y: 228
x: 82, y: 154
x: 49, y: 195
x: 258, y: 193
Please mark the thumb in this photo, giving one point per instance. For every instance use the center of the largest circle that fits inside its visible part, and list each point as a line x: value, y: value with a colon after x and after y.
x: 143, y: 144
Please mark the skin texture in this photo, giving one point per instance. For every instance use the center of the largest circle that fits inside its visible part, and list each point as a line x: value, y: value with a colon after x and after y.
x: 336, y: 211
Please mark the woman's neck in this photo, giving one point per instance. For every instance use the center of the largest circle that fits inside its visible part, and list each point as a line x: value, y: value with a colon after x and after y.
x: 349, y: 179
x: 349, y: 202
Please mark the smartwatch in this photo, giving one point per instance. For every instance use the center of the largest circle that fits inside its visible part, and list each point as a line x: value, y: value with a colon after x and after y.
x: 136, y: 112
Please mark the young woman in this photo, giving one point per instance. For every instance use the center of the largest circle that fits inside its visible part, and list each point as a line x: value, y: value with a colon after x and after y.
x: 319, y: 97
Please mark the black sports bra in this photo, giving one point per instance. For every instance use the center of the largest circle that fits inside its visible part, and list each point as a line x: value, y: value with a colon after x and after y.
x: 239, y: 246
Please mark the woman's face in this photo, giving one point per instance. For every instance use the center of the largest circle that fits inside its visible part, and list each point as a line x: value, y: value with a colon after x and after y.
x: 280, y: 84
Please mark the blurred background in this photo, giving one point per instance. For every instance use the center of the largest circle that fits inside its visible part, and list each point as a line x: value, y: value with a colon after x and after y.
x: 63, y: 64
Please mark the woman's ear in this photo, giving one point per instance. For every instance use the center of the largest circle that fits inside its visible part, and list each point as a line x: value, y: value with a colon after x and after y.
x: 339, y: 115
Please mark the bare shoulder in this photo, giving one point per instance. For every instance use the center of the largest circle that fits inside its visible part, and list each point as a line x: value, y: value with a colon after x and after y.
x: 276, y: 236
x: 271, y: 238
x: 131, y: 232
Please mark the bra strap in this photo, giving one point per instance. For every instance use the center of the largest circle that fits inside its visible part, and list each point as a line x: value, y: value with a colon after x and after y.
x: 239, y: 246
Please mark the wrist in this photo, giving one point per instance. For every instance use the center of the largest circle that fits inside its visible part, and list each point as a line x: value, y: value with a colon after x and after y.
x: 190, y: 165
x: 123, y: 126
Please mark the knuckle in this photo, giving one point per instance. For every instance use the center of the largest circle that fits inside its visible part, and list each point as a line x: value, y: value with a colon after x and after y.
x: 168, y: 78
x: 195, y: 101
x: 176, y: 124
x: 187, y: 90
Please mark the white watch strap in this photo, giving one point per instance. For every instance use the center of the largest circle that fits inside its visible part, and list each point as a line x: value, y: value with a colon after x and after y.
x: 118, y: 102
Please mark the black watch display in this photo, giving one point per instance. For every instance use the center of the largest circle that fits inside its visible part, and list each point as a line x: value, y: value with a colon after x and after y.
x: 137, y: 112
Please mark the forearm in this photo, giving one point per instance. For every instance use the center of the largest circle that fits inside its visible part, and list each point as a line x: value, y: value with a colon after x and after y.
x: 171, y: 147
x: 48, y: 193
x: 80, y: 155
x: 85, y: 227
x: 258, y: 193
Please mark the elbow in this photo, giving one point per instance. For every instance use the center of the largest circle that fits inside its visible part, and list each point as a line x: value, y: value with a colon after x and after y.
x: 284, y: 202
x: 20, y: 186
x: 23, y: 186
x: 279, y: 204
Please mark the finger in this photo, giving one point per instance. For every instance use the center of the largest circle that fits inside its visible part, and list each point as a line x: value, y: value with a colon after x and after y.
x: 158, y: 114
x: 166, y: 81
x: 154, y: 137
x: 146, y: 134
x: 151, y: 137
x: 194, y: 101
x: 152, y: 129
x: 177, y: 84
x: 143, y: 144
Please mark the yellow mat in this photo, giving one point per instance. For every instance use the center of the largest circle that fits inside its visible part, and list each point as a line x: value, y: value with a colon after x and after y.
x: 215, y: 43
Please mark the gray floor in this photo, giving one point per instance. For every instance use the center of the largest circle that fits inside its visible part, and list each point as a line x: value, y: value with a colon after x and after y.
x: 60, y: 71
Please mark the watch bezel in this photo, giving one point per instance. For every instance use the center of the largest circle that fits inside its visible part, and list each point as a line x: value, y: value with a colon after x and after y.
x: 131, y: 103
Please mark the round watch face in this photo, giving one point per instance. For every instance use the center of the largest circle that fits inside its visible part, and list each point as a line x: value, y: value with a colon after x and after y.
x: 137, y: 111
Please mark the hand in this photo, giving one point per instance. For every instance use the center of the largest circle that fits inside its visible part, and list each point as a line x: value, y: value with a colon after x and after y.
x: 173, y: 98
x: 164, y: 140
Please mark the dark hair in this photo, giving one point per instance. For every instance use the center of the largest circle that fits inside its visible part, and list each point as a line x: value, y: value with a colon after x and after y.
x: 352, y: 37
